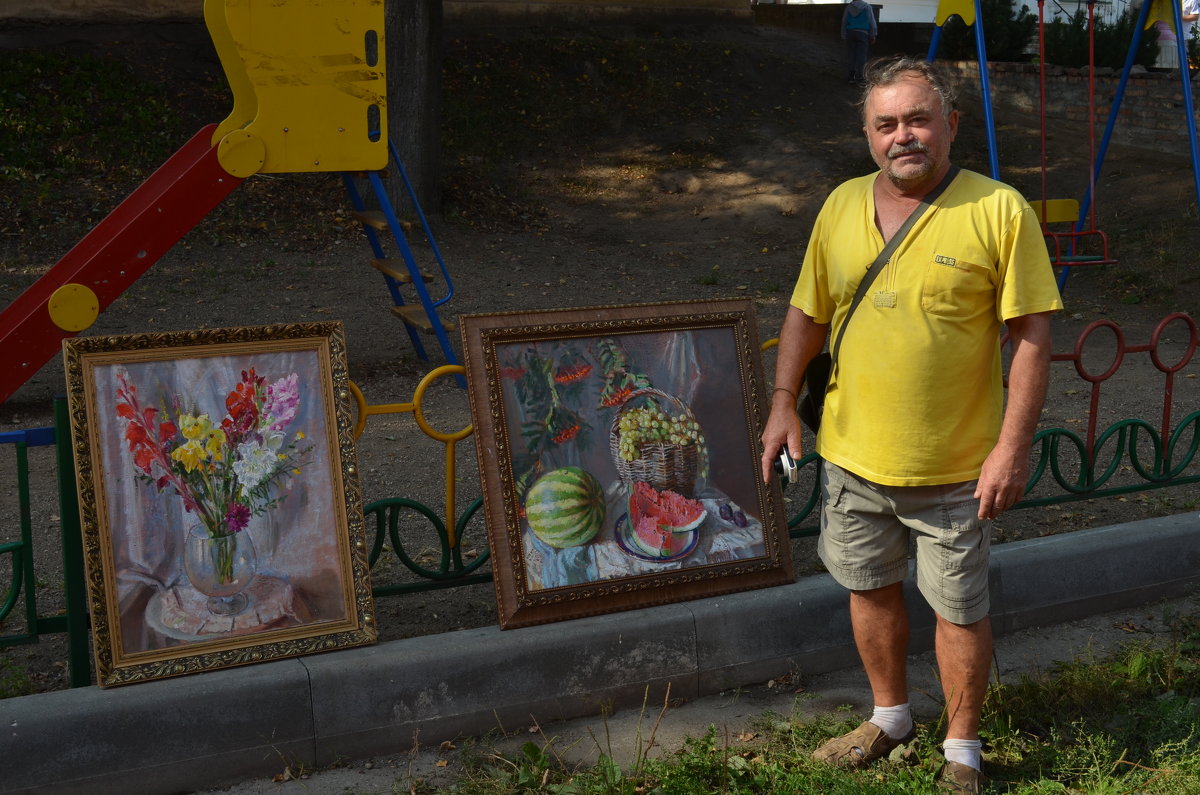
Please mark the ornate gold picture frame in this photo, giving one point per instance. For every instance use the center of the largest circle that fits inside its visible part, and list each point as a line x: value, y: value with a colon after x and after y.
x: 219, y: 498
x: 618, y: 448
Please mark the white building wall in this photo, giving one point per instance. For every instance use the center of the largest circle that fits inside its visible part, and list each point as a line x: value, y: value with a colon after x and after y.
x: 893, y: 10
x: 925, y: 10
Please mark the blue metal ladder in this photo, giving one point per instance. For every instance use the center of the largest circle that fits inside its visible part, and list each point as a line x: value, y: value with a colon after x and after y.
x: 423, y: 314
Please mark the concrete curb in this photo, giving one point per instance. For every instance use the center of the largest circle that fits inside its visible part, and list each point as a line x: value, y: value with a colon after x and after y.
x: 215, y: 728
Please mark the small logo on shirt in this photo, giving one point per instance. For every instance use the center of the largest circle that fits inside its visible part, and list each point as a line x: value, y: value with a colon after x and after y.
x: 942, y: 259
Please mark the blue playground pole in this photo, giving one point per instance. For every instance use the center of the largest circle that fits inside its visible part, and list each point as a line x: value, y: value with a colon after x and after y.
x: 934, y: 42
x: 1185, y: 80
x: 985, y: 86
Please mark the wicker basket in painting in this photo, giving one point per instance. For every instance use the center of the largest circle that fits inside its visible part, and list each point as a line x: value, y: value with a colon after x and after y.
x: 661, y: 464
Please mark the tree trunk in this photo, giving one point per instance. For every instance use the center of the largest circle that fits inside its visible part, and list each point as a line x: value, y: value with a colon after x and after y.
x: 413, y: 31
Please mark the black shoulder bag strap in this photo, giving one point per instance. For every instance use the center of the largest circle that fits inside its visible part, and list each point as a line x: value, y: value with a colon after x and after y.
x: 819, y: 370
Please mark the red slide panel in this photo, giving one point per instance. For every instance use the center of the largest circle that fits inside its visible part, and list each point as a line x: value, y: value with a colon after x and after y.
x: 115, y: 253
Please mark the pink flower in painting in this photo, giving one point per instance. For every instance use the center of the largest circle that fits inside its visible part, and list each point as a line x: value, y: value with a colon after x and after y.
x: 283, y: 400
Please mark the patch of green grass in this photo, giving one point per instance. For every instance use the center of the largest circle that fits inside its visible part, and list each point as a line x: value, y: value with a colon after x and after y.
x: 82, y: 115
x: 77, y: 132
x: 712, y: 277
x: 14, y: 680
x: 1126, y: 723
x: 568, y: 88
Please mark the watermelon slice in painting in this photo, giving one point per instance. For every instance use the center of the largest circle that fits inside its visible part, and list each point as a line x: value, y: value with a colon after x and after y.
x: 669, y: 510
x: 654, y: 543
x: 652, y: 539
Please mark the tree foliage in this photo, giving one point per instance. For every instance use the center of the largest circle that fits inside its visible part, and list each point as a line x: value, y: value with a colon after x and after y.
x: 1009, y: 33
x: 1067, y: 41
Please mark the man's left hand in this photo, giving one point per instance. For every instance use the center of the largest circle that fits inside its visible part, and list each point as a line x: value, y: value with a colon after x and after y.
x: 1006, y: 469
x: 1001, y: 481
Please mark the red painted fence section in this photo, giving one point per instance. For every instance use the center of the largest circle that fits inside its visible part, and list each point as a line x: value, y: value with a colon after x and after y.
x: 1089, y: 339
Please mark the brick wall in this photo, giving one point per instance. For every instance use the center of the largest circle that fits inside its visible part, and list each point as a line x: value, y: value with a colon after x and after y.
x: 1152, y: 110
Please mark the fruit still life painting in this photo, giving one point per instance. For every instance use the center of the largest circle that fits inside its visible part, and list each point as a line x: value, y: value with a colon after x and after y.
x: 614, y: 465
x: 618, y: 452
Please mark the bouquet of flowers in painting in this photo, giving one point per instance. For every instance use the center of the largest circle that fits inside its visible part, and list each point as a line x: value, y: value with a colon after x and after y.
x: 223, y: 471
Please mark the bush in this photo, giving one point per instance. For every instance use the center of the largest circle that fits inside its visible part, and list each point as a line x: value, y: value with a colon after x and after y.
x: 1067, y: 41
x: 1008, y: 33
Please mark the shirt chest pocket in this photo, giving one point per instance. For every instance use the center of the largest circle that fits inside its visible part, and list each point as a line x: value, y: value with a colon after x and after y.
x: 956, y: 288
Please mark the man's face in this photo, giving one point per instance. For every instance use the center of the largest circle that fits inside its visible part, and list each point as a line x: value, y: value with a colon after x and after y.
x: 907, y: 132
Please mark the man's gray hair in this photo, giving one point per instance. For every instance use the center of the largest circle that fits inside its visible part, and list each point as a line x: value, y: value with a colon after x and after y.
x: 888, y: 70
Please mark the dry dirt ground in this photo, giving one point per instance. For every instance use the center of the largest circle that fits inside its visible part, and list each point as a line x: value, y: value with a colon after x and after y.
x: 665, y: 200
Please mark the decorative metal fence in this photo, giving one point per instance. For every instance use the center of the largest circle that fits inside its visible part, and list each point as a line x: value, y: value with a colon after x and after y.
x: 1127, y: 456
x: 22, y: 585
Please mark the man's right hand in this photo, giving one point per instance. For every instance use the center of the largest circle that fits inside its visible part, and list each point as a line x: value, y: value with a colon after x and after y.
x: 800, y: 339
x: 782, y: 430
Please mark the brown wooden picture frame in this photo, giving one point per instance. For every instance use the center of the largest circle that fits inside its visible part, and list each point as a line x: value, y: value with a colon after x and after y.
x: 219, y: 498
x: 564, y: 404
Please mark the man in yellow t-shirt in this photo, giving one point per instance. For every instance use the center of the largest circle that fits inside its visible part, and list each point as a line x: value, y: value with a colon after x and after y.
x: 916, y: 438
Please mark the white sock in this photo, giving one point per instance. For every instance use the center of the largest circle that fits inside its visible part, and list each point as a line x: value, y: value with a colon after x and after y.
x: 965, y: 752
x: 895, y: 721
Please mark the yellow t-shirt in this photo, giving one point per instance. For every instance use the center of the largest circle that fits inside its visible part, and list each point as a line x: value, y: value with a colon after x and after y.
x: 917, y: 396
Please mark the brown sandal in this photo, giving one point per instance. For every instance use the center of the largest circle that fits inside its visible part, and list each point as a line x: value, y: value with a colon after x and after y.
x: 863, y: 745
x: 960, y: 778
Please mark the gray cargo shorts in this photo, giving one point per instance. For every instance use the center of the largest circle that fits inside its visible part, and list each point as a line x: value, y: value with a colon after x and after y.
x: 867, y: 530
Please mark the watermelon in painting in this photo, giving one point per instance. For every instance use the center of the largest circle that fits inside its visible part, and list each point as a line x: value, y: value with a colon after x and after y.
x: 565, y: 507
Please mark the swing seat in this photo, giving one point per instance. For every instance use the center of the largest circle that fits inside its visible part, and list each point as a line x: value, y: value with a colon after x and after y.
x: 1057, y: 211
x: 1065, y: 246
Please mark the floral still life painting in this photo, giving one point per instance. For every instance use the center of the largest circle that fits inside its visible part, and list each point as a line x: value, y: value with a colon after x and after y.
x: 222, y: 472
x: 219, y: 499
x: 622, y: 466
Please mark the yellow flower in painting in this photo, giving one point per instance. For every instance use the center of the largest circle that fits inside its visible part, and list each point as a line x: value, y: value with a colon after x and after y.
x: 216, y: 444
x: 191, y: 455
x: 194, y: 428
x: 205, y: 443
x: 299, y: 434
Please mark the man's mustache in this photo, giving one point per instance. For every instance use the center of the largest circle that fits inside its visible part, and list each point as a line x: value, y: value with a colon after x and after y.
x: 908, y: 149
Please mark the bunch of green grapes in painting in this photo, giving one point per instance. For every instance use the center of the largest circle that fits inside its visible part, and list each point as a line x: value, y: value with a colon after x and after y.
x: 651, y: 425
